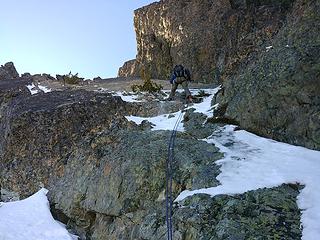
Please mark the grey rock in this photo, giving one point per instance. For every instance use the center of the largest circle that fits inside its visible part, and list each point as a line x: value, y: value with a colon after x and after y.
x: 264, y: 53
x: 47, y: 127
x: 8, y: 71
x: 59, y: 78
x: 128, y: 69
x: 8, y: 196
x: 106, y: 175
x: 278, y: 94
x: 211, y: 38
x: 26, y: 76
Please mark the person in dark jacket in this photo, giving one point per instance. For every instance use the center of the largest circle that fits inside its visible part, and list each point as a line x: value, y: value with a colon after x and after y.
x: 180, y: 75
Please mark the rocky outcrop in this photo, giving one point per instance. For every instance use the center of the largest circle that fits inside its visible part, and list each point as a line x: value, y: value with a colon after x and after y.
x: 9, y: 90
x: 128, y: 69
x: 212, y: 38
x: 122, y: 181
x: 8, y: 71
x: 40, y: 131
x: 106, y: 175
x: 265, y: 54
x: 278, y: 95
x: 42, y: 77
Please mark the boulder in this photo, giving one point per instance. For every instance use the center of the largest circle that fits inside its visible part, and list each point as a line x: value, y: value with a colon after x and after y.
x: 8, y: 71
x: 40, y: 131
x: 26, y: 75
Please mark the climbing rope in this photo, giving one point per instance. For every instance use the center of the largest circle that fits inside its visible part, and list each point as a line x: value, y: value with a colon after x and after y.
x: 169, y: 172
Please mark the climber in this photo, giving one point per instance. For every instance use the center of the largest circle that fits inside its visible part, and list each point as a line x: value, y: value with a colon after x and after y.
x: 180, y: 75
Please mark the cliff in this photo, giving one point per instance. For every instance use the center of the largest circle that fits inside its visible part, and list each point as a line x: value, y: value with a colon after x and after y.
x: 212, y: 38
x: 278, y: 95
x: 106, y: 174
x: 264, y: 53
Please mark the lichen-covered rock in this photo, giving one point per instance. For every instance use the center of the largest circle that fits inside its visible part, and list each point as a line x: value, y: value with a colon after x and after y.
x: 122, y: 173
x: 106, y: 176
x: 262, y: 214
x: 8, y: 71
x: 40, y: 131
x: 278, y: 95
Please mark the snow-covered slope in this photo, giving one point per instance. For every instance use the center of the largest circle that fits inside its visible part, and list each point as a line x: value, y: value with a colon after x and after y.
x: 253, y: 162
x: 250, y: 162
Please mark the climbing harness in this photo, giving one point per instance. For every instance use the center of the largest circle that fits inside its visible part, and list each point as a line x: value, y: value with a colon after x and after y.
x: 169, y: 172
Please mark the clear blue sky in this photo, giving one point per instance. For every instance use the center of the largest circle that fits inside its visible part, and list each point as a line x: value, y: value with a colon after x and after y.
x: 92, y: 37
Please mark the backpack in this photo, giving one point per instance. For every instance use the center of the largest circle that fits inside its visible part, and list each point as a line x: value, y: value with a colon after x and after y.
x: 178, y: 71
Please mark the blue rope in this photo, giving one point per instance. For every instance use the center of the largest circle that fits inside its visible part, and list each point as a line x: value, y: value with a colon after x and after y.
x: 169, y: 171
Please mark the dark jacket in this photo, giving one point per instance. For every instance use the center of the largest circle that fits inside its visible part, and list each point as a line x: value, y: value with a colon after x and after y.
x: 180, y: 71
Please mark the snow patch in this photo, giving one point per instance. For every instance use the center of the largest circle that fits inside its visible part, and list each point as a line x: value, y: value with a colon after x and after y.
x: 205, y: 106
x: 162, y: 122
x: 127, y: 97
x: 269, y: 48
x: 167, y: 121
x: 34, y: 90
x: 31, y: 219
x: 44, y: 89
x: 252, y: 162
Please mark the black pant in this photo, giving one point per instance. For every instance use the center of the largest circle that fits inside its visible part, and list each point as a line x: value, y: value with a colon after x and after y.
x: 184, y: 84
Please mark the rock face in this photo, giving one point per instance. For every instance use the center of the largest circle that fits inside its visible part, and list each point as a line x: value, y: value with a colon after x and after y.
x: 8, y: 71
x: 212, y: 38
x: 9, y: 90
x: 265, y: 54
x: 106, y: 175
x: 128, y: 69
x: 278, y: 95
x: 39, y: 133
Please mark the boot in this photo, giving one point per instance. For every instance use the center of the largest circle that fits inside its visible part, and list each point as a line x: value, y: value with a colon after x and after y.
x: 189, y: 99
